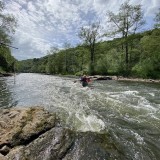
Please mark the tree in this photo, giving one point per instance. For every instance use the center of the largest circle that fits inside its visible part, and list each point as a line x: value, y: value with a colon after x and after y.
x: 157, y: 19
x: 90, y: 35
x: 80, y: 53
x: 50, y: 66
x: 7, y: 26
x: 126, y: 22
x: 7, y: 21
x: 66, y: 45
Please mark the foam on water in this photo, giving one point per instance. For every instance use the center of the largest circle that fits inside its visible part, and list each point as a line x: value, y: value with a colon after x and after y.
x: 140, y: 140
x: 130, y: 92
x: 133, y: 98
x: 152, y: 94
x: 73, y: 107
x: 80, y: 105
x: 90, y: 123
x: 128, y: 112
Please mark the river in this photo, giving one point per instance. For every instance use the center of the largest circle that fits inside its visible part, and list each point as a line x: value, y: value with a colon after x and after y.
x: 128, y: 112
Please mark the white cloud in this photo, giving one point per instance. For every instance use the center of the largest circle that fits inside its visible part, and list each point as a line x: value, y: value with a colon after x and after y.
x: 46, y: 23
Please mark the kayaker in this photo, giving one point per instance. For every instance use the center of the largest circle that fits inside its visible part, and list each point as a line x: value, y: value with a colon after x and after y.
x: 84, y: 80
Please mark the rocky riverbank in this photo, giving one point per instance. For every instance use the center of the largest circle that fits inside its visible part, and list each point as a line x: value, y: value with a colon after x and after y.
x: 6, y: 74
x: 121, y: 78
x: 138, y: 80
x: 36, y: 134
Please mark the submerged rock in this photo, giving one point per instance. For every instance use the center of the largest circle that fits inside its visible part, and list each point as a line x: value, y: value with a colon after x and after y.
x: 35, y: 134
x: 104, y: 78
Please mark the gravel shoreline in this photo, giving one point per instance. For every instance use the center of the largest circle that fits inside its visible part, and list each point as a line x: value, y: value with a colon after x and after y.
x: 121, y: 78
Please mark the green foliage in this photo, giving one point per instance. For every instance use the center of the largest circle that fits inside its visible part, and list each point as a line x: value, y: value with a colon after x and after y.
x: 8, y: 24
x: 108, y: 63
x: 149, y: 64
x: 143, y: 50
x: 6, y: 59
x: 128, y: 20
x: 80, y: 73
x: 102, y: 66
x: 1, y: 70
x: 90, y: 35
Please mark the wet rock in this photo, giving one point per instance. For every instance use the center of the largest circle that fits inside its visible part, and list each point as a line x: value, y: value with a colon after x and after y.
x: 53, y: 144
x: 4, y: 150
x: 104, y: 78
x: 59, y: 143
x: 131, y: 79
x: 89, y: 146
x: 98, y: 77
x: 16, y: 153
x: 2, y: 157
x: 19, y: 126
x: 35, y: 134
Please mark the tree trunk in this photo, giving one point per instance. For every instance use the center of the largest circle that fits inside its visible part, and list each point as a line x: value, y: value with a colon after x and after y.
x: 82, y: 62
x: 126, y: 50
x: 92, y: 60
x: 126, y: 45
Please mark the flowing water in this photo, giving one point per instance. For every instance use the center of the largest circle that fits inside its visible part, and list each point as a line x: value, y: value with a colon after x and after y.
x: 128, y: 112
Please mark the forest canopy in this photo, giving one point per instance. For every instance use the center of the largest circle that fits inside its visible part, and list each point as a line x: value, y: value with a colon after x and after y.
x: 109, y: 58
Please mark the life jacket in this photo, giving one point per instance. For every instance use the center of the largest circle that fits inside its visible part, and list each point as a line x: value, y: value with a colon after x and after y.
x: 88, y: 79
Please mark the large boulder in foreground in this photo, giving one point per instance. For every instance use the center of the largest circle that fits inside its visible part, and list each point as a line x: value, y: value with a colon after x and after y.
x: 36, y: 134
x: 19, y: 126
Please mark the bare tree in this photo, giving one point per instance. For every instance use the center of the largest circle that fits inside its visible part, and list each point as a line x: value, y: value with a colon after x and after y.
x: 90, y: 35
x: 157, y: 19
x: 126, y: 22
x: 7, y: 21
x: 66, y: 46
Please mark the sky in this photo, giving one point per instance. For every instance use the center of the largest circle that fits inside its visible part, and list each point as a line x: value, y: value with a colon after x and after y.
x: 43, y: 24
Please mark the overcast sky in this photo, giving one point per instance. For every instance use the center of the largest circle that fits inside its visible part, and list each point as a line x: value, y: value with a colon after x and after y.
x: 46, y: 23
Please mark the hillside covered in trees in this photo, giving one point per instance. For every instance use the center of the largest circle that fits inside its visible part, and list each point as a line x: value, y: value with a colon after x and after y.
x: 130, y: 53
x: 143, y: 58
